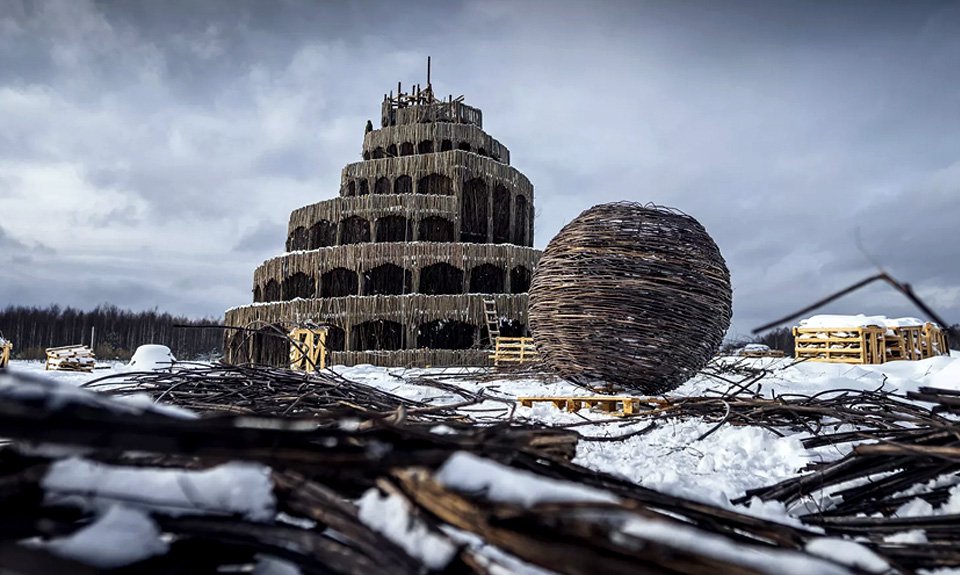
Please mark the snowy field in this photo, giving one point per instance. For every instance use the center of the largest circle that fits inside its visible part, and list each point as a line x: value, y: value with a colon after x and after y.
x: 671, y: 458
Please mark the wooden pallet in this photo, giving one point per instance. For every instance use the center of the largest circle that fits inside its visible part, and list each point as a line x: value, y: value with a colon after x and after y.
x: 514, y: 350
x: 765, y: 353
x: 904, y: 343
x: 869, y: 345
x: 5, y: 348
x: 615, y: 405
x: 70, y: 358
x: 858, y: 345
x: 308, y: 351
x: 933, y: 341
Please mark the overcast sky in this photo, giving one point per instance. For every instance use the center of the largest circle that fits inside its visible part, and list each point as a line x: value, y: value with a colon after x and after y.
x: 151, y: 152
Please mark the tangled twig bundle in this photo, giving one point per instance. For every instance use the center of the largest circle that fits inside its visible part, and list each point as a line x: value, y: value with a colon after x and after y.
x: 634, y: 296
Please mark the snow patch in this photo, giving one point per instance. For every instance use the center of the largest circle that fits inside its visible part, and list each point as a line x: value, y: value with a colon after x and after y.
x: 847, y: 553
x: 120, y: 536
x: 232, y: 488
x: 390, y: 515
x: 466, y: 472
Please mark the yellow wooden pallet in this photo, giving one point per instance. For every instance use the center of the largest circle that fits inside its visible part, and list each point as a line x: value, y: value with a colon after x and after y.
x: 869, y: 345
x: 765, y: 353
x: 858, y: 345
x: 5, y: 349
x: 616, y: 405
x: 308, y: 350
x: 514, y: 350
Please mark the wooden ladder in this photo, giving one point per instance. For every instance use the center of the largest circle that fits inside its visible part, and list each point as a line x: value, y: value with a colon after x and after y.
x: 493, y: 320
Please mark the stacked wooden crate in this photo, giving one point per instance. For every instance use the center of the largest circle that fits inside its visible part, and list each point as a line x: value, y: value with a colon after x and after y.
x: 70, y: 358
x: 867, y: 340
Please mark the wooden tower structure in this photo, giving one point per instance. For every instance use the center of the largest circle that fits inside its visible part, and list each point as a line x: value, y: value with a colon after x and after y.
x: 430, y: 224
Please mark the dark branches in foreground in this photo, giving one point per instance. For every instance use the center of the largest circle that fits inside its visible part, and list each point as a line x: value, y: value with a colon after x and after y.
x: 460, y: 496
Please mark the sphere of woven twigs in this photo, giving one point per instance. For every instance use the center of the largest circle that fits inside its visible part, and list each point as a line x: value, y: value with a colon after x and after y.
x: 634, y: 297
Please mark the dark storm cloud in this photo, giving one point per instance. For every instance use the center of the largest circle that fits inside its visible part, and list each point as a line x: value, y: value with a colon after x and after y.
x: 179, y: 135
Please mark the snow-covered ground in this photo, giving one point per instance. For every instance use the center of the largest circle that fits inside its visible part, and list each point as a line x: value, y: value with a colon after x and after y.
x: 672, y: 457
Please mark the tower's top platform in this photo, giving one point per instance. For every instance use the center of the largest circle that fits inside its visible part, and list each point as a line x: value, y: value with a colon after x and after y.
x: 420, y: 106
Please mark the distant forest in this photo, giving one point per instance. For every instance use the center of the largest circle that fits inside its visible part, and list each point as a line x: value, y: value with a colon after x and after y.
x: 117, y: 333
x: 782, y: 339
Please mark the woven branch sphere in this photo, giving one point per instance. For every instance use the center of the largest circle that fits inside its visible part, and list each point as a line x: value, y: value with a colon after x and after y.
x: 634, y: 297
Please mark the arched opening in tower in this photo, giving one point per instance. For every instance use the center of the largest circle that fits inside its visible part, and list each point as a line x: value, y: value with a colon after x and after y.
x: 487, y: 278
x: 512, y: 328
x: 339, y: 282
x: 446, y: 334
x: 519, y: 280
x: 354, y: 230
x: 425, y: 147
x: 271, y: 291
x: 406, y: 149
x: 298, y: 239
x: 238, y: 350
x: 392, y: 151
x: 298, y: 285
x: 257, y: 294
x: 435, y: 229
x: 446, y: 146
x: 377, y: 335
x: 394, y: 229
x: 403, y: 185
x: 351, y: 189
x: 473, y: 212
x: 336, y: 338
x: 387, y: 279
x: 270, y: 347
x: 501, y: 215
x: 378, y: 153
x: 440, y: 279
x: 520, y: 221
x: 465, y: 146
x: 366, y: 155
x: 363, y: 188
x: 436, y: 184
x: 382, y: 186
x: 482, y: 151
x: 322, y: 234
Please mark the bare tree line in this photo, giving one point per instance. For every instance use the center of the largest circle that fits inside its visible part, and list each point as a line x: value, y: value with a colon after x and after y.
x: 116, y: 332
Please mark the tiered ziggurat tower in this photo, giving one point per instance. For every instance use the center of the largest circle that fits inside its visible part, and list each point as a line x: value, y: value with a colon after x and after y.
x: 431, y: 224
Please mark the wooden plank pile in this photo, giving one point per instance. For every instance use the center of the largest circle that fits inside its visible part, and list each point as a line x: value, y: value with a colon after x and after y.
x: 70, y: 358
x: 878, y: 340
x: 6, y: 347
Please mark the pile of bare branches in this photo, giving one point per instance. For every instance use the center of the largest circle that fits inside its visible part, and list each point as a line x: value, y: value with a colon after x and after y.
x: 635, y: 296
x: 869, y: 492
x: 450, y: 484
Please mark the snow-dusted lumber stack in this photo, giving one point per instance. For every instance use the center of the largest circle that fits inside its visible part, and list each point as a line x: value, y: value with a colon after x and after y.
x: 70, y: 358
x: 863, y: 339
